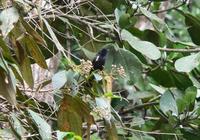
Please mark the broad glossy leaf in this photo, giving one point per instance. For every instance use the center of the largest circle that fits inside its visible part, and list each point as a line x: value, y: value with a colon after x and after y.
x: 181, y: 104
x: 193, y: 24
x: 187, y: 63
x: 8, y: 18
x: 43, y: 127
x: 159, y: 89
x: 118, y: 12
x: 130, y: 62
x: 146, y: 48
x: 168, y: 103
x: 59, y: 79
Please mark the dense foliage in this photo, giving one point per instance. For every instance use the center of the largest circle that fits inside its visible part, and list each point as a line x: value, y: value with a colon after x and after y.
x: 149, y: 88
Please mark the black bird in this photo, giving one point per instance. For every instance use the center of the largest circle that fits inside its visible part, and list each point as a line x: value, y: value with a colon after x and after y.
x: 98, y: 64
x: 100, y: 59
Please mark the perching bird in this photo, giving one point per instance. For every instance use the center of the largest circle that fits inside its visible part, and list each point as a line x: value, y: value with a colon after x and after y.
x: 98, y: 64
x: 99, y: 61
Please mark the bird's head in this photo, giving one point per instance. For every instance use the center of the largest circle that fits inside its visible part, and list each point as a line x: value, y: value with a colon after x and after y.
x: 103, y: 52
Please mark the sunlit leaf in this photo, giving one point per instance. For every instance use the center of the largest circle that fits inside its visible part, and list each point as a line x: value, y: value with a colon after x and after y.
x: 53, y: 36
x: 187, y: 63
x: 6, y: 134
x: 8, y: 18
x: 146, y: 48
x: 67, y: 135
x: 43, y: 127
x: 59, y: 79
x: 168, y: 103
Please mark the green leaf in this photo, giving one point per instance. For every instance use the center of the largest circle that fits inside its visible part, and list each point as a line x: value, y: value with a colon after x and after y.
x: 25, y: 67
x: 35, y: 35
x: 137, y: 121
x: 146, y: 48
x: 95, y: 136
x: 124, y: 20
x: 71, y: 114
x: 119, y: 12
x: 104, y: 105
x: 190, y: 95
x: 187, y: 63
x: 6, y: 52
x: 61, y: 135
x: 6, y: 134
x: 122, y: 57
x: 159, y: 89
x: 34, y: 50
x: 23, y: 63
x: 88, y: 53
x: 53, y: 36
x: 59, y: 79
x: 168, y: 103
x: 97, y: 77
x: 193, y: 24
x: 195, y: 81
x: 17, y: 126
x: 8, y: 18
x: 159, y: 24
x: 181, y: 104
x: 8, y: 86
x: 43, y: 127
x: 147, y: 137
x: 67, y: 135
x: 140, y: 95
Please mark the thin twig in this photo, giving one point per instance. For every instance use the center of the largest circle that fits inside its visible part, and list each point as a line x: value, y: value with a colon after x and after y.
x: 153, y: 132
x: 179, y: 50
x: 139, y: 106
